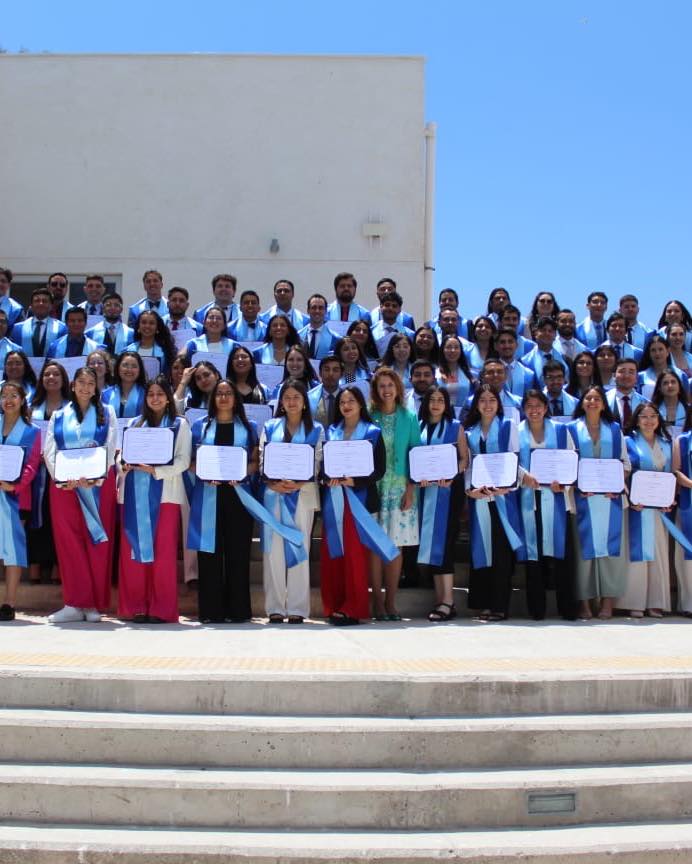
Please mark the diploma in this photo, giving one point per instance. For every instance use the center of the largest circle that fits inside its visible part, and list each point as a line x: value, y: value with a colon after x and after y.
x: 497, y: 470
x: 221, y: 462
x: 182, y: 337
x: 259, y: 414
x: 87, y: 462
x: 601, y: 475
x: 192, y: 415
x: 433, y: 462
x: 549, y: 465
x: 289, y: 461
x: 252, y: 345
x: 218, y: 359
x: 71, y: 365
x: 122, y: 424
x: 37, y: 364
x: 93, y: 320
x: 152, y: 366
x: 270, y: 375
x: 143, y: 445
x: 43, y: 426
x: 339, y: 328
x: 348, y: 459
x: 653, y: 488
x: 11, y: 461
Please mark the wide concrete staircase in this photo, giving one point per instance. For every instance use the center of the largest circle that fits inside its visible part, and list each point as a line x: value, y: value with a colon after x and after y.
x: 143, y: 767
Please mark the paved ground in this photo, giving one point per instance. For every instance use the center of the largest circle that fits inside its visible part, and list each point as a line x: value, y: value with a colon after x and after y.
x: 462, y: 647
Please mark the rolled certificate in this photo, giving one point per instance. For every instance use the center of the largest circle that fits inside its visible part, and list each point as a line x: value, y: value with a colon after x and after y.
x: 496, y: 470
x: 601, y: 476
x: 11, y: 461
x: 289, y: 461
x: 87, y: 462
x: 433, y: 462
x: 143, y: 445
x: 653, y: 488
x: 223, y: 463
x: 348, y: 459
x: 548, y: 466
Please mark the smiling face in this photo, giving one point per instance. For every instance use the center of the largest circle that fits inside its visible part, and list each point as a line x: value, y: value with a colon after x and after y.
x: 84, y: 387
x: 205, y: 379
x: 295, y: 364
x: 421, y: 379
x: 535, y: 411
x: 250, y: 307
x: 648, y: 421
x: 10, y: 401
x: 386, y: 390
x: 506, y: 347
x: 617, y: 331
x: 597, y: 306
x: 242, y: 362
x: 566, y: 324
x: 349, y: 407
x: 157, y: 401
x: 360, y: 334
x: 483, y: 330
x: 451, y: 350
x: 224, y: 399
x: 436, y: 406
x: 487, y: 406
x: 676, y: 337
x: 51, y: 378
x: 673, y: 313
x: 317, y: 309
x: 349, y: 353
x: 147, y: 326
x: 425, y: 341
x: 593, y: 404
x: 330, y: 374
x: 401, y: 351
x: 128, y: 370
x: 153, y: 287
x: 293, y: 403
x: 583, y: 367
x: 283, y: 294
x: 554, y: 382
x: 626, y: 377
x: 214, y: 323
x: 14, y: 368
x: 278, y: 329
x: 112, y: 310
x: 495, y: 375
x: 224, y: 292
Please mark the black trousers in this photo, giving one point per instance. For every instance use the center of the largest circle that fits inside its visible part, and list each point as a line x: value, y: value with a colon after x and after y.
x: 224, y: 575
x: 489, y: 587
x: 547, y: 573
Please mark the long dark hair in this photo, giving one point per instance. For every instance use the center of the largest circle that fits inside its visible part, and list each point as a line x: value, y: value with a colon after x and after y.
x: 361, y: 361
x: 29, y: 376
x: 424, y: 409
x: 196, y: 397
x: 24, y: 411
x: 434, y: 356
x: 251, y: 375
x: 535, y: 394
x: 598, y: 378
x: 606, y: 414
x: 573, y: 386
x: 646, y: 362
x: 40, y: 394
x: 462, y: 362
x: 214, y: 308
x: 388, y: 357
x: 141, y: 376
x: 95, y: 399
x: 360, y: 399
x: 657, y: 396
x: 686, y: 317
x: 147, y: 415
x: 370, y: 349
x: 474, y: 416
x: 238, y: 406
x: 162, y: 336
x: 660, y: 430
x: 292, y: 337
x: 308, y: 377
x: 294, y: 384
x: 535, y: 315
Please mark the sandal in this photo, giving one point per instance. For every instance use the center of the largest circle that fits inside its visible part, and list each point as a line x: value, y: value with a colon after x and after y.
x: 341, y: 619
x: 295, y: 619
x: 495, y: 616
x: 275, y: 618
x: 392, y: 616
x: 437, y: 614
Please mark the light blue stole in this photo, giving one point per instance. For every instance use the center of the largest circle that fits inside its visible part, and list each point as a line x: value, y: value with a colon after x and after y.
x: 38, y: 488
x: 599, y: 519
x: 201, y: 534
x: 506, y: 505
x: 642, y: 523
x: 435, y: 500
x: 133, y: 405
x: 265, y: 355
x: 458, y: 390
x: 143, y: 502
x: 369, y: 530
x: 685, y: 495
x: 288, y: 501
x: 553, y: 510
x: 70, y: 434
x: 200, y: 343
x: 12, y: 536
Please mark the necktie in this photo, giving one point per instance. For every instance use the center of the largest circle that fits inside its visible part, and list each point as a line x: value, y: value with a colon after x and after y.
x: 330, y: 408
x: 557, y: 407
x: 618, y: 351
x: 174, y: 325
x: 344, y: 313
x: 36, y: 341
x: 111, y: 336
x: 626, y: 411
x: 92, y: 310
x: 313, y: 342
x: 629, y: 335
x: 548, y: 356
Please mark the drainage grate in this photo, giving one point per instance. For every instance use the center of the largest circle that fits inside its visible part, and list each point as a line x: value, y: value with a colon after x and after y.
x: 552, y: 802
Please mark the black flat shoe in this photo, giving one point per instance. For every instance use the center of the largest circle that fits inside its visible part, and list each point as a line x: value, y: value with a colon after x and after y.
x: 276, y: 619
x: 6, y: 612
x: 295, y: 619
x: 140, y: 618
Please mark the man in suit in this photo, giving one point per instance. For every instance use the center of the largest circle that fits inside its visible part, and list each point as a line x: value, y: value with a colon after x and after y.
x: 388, y: 325
x: 13, y: 310
x: 344, y: 308
x: 74, y: 343
x: 544, y: 351
x: 284, y: 292
x: 623, y: 398
x: 566, y: 342
x: 38, y: 332
x: 111, y: 333
x: 95, y: 289
x: 59, y: 285
x: 617, y: 339
x: 322, y: 398
x: 519, y: 378
x: 560, y: 402
x: 223, y: 286
x: 153, y: 299
x: 177, y: 318
x: 449, y: 300
x: 385, y: 286
x: 422, y: 377
x: 638, y: 334
x: 318, y: 339
x: 249, y: 326
x: 592, y: 331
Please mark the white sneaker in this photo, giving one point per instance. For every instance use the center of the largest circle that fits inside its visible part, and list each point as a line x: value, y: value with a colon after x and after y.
x: 66, y: 615
x: 93, y: 616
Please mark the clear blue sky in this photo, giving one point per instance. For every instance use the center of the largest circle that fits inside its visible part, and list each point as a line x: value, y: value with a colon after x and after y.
x: 564, y: 127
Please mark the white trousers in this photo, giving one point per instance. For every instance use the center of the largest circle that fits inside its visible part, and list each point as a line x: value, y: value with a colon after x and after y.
x: 287, y: 591
x: 648, y: 582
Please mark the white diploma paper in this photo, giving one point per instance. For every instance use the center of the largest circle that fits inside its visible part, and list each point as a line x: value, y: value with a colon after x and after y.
x: 217, y: 359
x: 152, y: 367
x: 182, y: 337
x: 433, y: 462
x: 348, y: 459
x: 554, y: 465
x: 601, y: 475
x: 93, y: 320
x: 192, y: 415
x: 498, y: 470
x: 339, y: 328
x: 270, y: 375
x: 653, y: 488
x: 289, y: 461
x: 259, y: 414
x: 221, y: 463
x: 87, y: 462
x: 122, y: 424
x: 145, y: 446
x: 11, y: 461
x: 252, y: 345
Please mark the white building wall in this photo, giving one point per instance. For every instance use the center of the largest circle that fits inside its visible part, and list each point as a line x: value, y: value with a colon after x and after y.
x: 192, y: 164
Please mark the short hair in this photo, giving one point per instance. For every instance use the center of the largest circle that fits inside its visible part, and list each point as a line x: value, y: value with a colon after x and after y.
x: 285, y: 282
x: 597, y: 294
x: 545, y: 321
x: 57, y: 274
x: 616, y: 316
x: 7, y: 273
x: 511, y: 309
x: 249, y: 293
x: 630, y: 297
x: 43, y: 292
x: 341, y: 276
x: 626, y: 361
x: 76, y: 310
x: 419, y: 364
x: 392, y: 296
x: 150, y: 273
x: 94, y: 277
x: 316, y: 297
x: 565, y: 312
x: 227, y: 276
x: 112, y: 295
x: 330, y: 358
x: 553, y: 366
x: 176, y: 289
x: 385, y: 372
x: 505, y: 331
x: 448, y: 291
x: 386, y: 279
x: 536, y: 394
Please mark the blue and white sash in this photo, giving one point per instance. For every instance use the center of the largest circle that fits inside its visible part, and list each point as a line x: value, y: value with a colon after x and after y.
x: 38, y: 487
x: 435, y: 500
x: 553, y: 510
x: 287, y: 501
x: 685, y: 495
x: 70, y: 434
x: 599, y: 519
x: 642, y: 523
x: 201, y: 534
x: 12, y: 536
x: 143, y: 502
x: 369, y: 530
x: 506, y: 505
x: 133, y: 405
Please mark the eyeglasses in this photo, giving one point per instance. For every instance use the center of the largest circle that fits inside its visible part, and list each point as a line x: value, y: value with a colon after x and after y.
x: 58, y: 284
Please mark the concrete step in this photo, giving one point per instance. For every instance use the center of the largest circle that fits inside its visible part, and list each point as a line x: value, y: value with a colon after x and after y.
x: 370, y: 800
x: 661, y: 843
x: 338, y: 694
x: 256, y: 742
